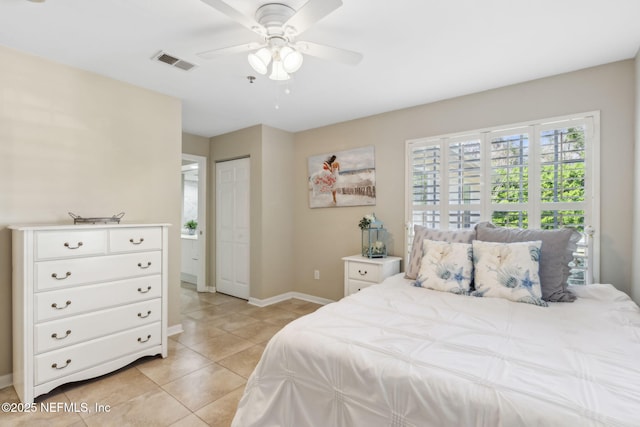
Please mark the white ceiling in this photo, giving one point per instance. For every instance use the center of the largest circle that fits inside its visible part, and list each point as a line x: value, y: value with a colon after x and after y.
x: 415, y: 52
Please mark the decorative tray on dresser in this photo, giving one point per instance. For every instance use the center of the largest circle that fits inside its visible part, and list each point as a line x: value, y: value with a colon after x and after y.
x: 87, y: 300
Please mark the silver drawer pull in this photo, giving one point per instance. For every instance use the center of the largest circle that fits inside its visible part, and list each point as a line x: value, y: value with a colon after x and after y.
x: 66, y: 245
x: 362, y: 273
x: 55, y: 305
x: 55, y: 276
x: 140, y: 340
x: 55, y: 365
x: 144, y: 292
x: 56, y: 337
x: 142, y: 316
x: 144, y: 266
x: 138, y: 242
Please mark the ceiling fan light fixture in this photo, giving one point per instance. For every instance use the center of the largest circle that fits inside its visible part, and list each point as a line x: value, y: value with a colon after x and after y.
x: 279, y: 25
x: 259, y: 60
x: 291, y: 59
x: 278, y: 72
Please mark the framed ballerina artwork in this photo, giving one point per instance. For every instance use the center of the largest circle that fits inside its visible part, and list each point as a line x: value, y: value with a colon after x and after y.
x: 342, y: 178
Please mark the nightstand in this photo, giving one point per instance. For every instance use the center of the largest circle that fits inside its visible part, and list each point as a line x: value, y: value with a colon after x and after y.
x: 360, y: 272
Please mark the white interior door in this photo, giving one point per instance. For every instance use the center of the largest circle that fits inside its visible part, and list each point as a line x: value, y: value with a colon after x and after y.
x: 232, y: 227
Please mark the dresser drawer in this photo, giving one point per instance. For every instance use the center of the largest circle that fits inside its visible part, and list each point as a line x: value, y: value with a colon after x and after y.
x: 70, y: 243
x: 82, y: 299
x: 78, y: 271
x: 72, y: 330
x: 360, y: 272
x: 364, y: 271
x: 356, y: 286
x: 135, y: 239
x: 65, y: 361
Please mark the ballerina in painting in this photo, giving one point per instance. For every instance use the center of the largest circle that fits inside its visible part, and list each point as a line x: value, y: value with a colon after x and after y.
x: 326, y: 180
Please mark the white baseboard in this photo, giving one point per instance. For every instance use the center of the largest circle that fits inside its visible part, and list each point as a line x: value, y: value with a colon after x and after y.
x: 287, y: 296
x: 175, y: 329
x: 312, y: 298
x: 6, y: 380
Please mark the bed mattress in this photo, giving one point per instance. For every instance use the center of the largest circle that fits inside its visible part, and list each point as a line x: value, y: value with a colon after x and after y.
x: 393, y: 354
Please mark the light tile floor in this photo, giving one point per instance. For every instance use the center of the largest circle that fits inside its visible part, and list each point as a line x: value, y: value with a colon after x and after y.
x: 198, y: 384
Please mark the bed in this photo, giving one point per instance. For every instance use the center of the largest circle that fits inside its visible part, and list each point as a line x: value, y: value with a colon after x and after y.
x: 399, y: 355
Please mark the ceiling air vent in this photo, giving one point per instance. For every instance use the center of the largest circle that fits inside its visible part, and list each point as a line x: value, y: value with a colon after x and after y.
x: 173, y: 61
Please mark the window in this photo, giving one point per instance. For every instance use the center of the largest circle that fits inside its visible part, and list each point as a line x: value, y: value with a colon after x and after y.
x: 541, y: 174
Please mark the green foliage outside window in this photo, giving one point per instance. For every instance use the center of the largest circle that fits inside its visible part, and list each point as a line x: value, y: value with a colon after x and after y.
x: 559, y: 183
x: 562, y: 175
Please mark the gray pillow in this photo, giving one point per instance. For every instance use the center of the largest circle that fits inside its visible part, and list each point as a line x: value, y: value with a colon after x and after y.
x: 420, y: 233
x: 555, y: 254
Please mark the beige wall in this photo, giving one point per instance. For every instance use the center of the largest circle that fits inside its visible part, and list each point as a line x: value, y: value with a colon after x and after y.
x: 71, y: 140
x: 323, y: 236
x: 271, y: 151
x: 243, y: 143
x: 195, y: 144
x: 277, y: 213
x: 635, y: 260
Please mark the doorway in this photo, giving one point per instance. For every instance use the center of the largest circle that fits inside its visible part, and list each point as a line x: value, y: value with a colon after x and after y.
x: 232, y: 227
x: 193, y: 229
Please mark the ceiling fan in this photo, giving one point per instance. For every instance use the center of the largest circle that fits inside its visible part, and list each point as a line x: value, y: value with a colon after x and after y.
x: 279, y: 25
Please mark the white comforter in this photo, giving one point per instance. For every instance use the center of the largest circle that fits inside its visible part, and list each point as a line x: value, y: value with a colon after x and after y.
x: 397, y: 355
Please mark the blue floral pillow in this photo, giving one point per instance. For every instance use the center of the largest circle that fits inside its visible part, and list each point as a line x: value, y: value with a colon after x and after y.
x: 421, y: 233
x: 446, y: 266
x: 508, y: 270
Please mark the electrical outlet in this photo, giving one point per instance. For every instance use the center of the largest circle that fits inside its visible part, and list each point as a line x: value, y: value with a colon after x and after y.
x: 316, y: 274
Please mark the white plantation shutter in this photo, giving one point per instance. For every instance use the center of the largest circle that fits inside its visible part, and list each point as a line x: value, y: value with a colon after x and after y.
x: 425, y: 173
x: 542, y: 174
x: 463, y: 180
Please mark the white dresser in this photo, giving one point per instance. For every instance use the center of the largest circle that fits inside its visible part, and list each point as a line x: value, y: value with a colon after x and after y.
x: 87, y: 300
x: 360, y: 272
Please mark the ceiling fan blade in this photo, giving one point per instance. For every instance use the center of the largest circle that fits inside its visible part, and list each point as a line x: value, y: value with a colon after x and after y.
x: 310, y: 13
x: 330, y: 53
x: 237, y: 16
x: 246, y: 47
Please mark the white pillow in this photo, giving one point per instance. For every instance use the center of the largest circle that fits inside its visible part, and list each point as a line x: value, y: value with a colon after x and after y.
x: 508, y: 270
x: 446, y: 266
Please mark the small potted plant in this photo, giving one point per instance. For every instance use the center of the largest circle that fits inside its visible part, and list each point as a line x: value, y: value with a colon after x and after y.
x: 191, y: 226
